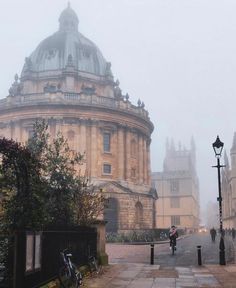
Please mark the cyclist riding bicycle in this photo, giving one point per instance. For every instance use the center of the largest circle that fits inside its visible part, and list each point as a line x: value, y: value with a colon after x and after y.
x: 173, y: 235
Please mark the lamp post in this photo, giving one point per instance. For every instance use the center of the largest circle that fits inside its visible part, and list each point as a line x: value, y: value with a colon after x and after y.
x: 218, y: 147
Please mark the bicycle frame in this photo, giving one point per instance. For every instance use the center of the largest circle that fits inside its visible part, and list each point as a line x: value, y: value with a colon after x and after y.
x: 67, y: 262
x: 69, y: 272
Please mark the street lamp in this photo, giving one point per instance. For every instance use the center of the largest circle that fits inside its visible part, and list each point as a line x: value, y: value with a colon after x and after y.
x: 218, y: 147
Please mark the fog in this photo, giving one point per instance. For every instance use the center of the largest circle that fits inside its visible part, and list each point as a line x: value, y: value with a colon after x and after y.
x: 178, y: 57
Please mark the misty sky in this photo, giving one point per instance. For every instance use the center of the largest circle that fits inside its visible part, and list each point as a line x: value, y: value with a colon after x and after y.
x: 178, y: 56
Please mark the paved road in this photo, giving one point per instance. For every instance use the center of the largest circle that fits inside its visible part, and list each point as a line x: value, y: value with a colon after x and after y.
x: 186, y: 254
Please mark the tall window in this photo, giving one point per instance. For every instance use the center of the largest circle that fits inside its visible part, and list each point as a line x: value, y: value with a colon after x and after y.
x: 111, y: 212
x: 175, y: 220
x: 106, y: 142
x: 174, y: 202
x: 174, y: 187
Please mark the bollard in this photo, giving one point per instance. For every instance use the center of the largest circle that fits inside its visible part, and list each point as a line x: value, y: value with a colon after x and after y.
x: 199, y: 255
x: 152, y: 254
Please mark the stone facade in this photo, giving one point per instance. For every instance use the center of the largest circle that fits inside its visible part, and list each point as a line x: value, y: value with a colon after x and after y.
x: 67, y: 81
x: 229, y: 188
x: 177, y: 188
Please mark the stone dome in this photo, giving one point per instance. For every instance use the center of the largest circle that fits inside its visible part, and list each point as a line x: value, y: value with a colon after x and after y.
x: 67, y: 47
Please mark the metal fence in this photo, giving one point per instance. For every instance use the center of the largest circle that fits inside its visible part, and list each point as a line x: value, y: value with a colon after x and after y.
x: 36, y: 255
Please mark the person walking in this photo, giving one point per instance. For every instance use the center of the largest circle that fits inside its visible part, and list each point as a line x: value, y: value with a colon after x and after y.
x: 213, y: 234
x: 173, y: 235
x: 233, y: 233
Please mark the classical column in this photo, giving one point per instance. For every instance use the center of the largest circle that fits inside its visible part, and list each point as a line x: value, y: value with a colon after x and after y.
x: 52, y: 128
x: 140, y: 158
x: 120, y: 153
x: 82, y: 145
x: 127, y: 154
x: 148, y: 164
x: 94, y: 149
x: 145, y: 160
x: 17, y: 134
x: 58, y: 127
x: 83, y: 137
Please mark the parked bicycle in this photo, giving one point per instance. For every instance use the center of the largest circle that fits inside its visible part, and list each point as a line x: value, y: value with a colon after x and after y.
x: 92, y: 262
x: 69, y: 275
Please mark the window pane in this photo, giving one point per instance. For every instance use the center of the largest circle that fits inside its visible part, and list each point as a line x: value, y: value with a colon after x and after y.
x: 107, y: 168
x: 29, y: 252
x: 37, y: 263
x: 175, y: 220
x: 106, y: 142
x: 174, y: 187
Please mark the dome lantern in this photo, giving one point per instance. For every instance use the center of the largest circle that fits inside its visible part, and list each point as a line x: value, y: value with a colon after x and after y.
x: 68, y: 20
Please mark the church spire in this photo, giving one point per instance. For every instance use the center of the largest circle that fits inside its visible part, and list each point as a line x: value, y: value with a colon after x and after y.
x: 226, y: 160
x: 233, y: 148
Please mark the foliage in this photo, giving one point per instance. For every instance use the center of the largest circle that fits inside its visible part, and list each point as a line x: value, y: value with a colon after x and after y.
x: 89, y: 203
x: 40, y: 184
x: 150, y: 235
x: 70, y: 199
x: 21, y: 188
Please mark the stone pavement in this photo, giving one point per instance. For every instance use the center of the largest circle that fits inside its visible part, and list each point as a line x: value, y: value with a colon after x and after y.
x: 153, y: 276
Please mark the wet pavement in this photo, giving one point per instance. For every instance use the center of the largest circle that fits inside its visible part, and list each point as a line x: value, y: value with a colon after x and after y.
x: 129, y: 267
x: 154, y: 276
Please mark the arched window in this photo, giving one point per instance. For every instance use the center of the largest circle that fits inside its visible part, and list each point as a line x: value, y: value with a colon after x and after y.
x: 139, y: 214
x: 111, y: 215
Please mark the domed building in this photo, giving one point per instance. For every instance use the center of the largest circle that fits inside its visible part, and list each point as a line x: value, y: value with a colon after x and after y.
x: 67, y: 81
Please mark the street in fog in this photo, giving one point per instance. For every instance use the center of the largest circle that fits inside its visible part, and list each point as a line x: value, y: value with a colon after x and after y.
x: 186, y: 254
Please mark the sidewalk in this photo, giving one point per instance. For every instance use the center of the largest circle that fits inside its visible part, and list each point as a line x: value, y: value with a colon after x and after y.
x: 153, y: 276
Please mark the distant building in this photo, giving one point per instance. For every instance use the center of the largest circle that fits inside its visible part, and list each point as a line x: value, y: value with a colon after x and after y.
x: 67, y: 81
x: 212, y: 214
x: 178, y: 189
x: 229, y: 188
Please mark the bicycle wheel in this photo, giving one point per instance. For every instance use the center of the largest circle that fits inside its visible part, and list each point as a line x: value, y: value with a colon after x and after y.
x: 67, y: 279
x: 173, y: 248
x: 93, y: 265
x: 77, y: 276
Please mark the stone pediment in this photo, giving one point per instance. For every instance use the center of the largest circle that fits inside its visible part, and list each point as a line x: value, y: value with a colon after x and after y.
x: 115, y: 187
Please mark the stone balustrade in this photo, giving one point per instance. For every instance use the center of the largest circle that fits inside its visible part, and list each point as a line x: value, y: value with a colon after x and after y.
x: 69, y: 98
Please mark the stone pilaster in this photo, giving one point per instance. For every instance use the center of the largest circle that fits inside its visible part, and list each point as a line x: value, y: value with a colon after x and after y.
x: 144, y: 161
x: 120, y: 153
x: 127, y: 154
x: 17, y: 136
x: 148, y: 164
x: 140, y: 159
x: 94, y: 149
